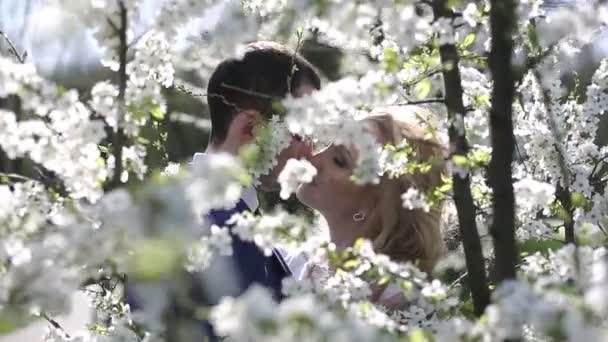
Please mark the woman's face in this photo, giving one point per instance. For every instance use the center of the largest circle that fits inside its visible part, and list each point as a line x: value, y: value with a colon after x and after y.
x: 332, y: 190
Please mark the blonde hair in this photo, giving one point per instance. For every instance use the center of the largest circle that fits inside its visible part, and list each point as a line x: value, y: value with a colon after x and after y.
x: 400, y: 233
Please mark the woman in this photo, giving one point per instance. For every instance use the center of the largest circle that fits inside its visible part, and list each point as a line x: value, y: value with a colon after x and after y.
x: 375, y: 211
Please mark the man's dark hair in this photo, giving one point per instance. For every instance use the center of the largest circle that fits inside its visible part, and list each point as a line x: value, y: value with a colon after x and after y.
x: 266, y: 73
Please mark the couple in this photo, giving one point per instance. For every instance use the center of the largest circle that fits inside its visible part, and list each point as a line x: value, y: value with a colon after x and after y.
x: 352, y: 211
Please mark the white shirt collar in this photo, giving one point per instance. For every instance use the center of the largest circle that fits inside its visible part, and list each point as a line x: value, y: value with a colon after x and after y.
x: 249, y: 194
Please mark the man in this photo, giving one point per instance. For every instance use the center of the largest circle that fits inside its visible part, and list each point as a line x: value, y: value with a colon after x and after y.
x: 241, y: 94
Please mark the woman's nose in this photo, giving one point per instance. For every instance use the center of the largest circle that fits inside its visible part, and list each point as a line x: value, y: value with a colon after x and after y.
x: 317, y: 160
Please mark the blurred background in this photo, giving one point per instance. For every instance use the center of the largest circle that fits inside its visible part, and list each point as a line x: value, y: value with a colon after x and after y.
x: 64, y: 50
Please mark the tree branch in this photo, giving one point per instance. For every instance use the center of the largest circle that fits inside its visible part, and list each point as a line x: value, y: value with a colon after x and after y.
x: 17, y: 177
x: 417, y: 102
x: 119, y: 136
x: 54, y: 323
x: 563, y: 193
x: 564, y: 196
x: 476, y: 280
x: 502, y: 22
x: 20, y: 58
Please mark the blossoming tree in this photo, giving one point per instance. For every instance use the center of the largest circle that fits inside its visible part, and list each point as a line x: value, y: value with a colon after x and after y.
x: 526, y: 191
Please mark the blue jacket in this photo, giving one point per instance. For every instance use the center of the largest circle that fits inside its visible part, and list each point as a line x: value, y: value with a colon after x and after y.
x: 230, y: 275
x: 248, y: 264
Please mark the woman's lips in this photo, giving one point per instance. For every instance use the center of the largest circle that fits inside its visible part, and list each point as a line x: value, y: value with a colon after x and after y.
x: 313, y: 182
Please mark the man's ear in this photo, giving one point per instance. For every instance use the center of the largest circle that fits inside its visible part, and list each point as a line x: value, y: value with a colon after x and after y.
x: 244, y: 124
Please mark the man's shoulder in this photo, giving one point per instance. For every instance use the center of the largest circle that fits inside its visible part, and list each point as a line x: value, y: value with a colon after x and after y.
x: 219, y: 217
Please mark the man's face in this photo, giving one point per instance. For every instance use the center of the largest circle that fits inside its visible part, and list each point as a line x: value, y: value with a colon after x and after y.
x: 297, y: 149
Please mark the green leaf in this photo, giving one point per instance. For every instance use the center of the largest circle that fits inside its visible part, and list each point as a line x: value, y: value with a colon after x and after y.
x: 278, y: 108
x: 482, y: 100
x: 154, y: 259
x: 533, y: 37
x: 579, y: 200
x: 350, y: 264
x: 157, y: 113
x: 249, y: 154
x: 12, y: 318
x: 468, y: 40
x: 459, y: 160
x: 103, y: 149
x: 141, y: 140
x: 423, y: 89
x: 61, y: 90
x: 7, y: 324
x: 384, y: 280
x: 480, y: 157
x: 392, y: 61
x: 358, y: 244
x: 532, y: 246
x: 418, y: 335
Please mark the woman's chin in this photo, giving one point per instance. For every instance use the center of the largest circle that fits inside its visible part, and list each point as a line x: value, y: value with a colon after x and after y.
x: 306, y: 194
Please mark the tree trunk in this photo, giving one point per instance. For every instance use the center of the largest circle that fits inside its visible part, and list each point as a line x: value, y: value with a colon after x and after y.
x: 502, y: 22
x: 475, y: 262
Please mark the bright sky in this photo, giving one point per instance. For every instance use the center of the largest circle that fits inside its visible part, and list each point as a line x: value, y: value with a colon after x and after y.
x: 55, y: 39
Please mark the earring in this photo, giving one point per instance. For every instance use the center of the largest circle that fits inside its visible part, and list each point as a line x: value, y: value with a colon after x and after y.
x: 359, y: 216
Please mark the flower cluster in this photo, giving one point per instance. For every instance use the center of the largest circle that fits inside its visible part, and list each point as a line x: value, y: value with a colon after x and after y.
x: 60, y: 133
x: 271, y: 139
x: 330, y: 116
x: 413, y: 199
x: 257, y: 317
x: 276, y: 229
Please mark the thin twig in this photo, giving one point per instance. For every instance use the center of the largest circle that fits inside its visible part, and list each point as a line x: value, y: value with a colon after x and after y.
x: 54, y: 323
x: 111, y: 23
x: 17, y: 177
x: 185, y: 88
x: 250, y: 92
x: 293, y: 67
x: 424, y: 77
x: 20, y: 58
x: 137, y: 39
x: 458, y: 280
x: 418, y: 102
x: 599, y: 161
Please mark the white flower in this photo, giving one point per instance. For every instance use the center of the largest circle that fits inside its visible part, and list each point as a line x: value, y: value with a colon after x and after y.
x: 215, y: 182
x: 171, y: 169
x: 221, y: 240
x: 530, y: 193
x: 533, y: 229
x: 414, y: 199
x: 295, y: 173
x: 271, y: 140
x: 199, y: 256
x: 153, y: 60
x: 470, y: 14
x: 434, y: 290
x: 240, y: 318
x: 445, y: 30
x: 264, y: 8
